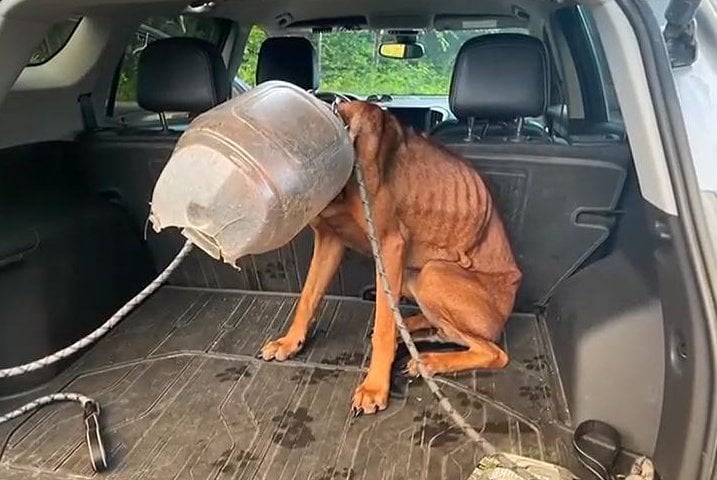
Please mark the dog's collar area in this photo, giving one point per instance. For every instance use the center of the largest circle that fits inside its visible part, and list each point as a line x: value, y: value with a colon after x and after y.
x: 335, y: 109
x: 334, y: 106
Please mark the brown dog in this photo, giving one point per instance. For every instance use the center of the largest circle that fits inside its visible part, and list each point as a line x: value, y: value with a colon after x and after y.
x: 442, y: 242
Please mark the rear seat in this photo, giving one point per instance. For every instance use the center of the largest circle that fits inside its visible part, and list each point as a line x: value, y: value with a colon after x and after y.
x: 294, y: 60
x: 124, y: 163
x: 556, y: 199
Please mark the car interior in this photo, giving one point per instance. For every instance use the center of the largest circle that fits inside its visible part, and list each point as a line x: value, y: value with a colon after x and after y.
x: 529, y: 101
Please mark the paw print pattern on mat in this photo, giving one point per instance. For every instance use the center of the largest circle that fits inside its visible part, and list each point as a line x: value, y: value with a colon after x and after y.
x: 331, y: 473
x: 241, y: 460
x: 275, y: 270
x: 464, y: 400
x: 317, y: 376
x: 535, y: 393
x: 435, y: 425
x: 293, y: 430
x: 537, y: 363
x: 232, y: 374
x: 345, y: 358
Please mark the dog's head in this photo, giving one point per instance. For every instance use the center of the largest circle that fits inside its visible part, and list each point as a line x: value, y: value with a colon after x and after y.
x: 376, y: 135
x: 361, y: 117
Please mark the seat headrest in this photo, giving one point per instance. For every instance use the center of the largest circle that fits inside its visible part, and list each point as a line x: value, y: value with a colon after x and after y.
x: 291, y: 59
x: 181, y: 75
x: 500, y: 76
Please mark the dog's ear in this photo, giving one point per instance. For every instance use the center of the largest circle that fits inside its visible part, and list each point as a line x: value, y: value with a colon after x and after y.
x: 351, y: 113
x: 377, y: 135
x: 365, y: 123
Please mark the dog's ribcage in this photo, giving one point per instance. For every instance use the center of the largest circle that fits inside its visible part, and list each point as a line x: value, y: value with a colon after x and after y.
x: 441, y: 200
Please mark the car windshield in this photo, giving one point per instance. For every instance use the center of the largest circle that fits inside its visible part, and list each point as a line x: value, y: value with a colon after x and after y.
x: 349, y: 62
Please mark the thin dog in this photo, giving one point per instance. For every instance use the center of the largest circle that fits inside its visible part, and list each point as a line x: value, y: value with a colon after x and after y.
x: 442, y: 242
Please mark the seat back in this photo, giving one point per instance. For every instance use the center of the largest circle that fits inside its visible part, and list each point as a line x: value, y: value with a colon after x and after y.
x: 498, y: 89
x: 558, y: 201
x: 181, y: 74
x: 290, y: 59
x: 123, y: 164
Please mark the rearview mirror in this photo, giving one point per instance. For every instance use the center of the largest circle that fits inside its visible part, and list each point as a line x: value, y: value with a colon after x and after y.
x: 401, y: 50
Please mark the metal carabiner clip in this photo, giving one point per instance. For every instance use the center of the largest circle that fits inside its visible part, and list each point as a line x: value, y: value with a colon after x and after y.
x: 93, y: 437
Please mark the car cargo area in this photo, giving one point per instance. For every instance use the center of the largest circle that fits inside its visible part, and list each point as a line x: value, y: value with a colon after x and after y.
x: 183, y: 391
x: 183, y: 396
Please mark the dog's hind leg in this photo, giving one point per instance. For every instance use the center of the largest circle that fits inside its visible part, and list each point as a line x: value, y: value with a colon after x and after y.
x: 467, y: 308
x: 328, y: 251
x: 418, y: 321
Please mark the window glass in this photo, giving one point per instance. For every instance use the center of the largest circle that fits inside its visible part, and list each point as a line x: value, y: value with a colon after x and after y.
x: 154, y: 28
x: 612, y: 102
x: 247, y: 69
x: 55, y: 39
x: 349, y: 62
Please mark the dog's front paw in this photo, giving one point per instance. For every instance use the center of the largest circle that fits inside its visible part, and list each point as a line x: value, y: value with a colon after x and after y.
x: 412, y: 366
x: 370, y: 397
x: 281, y: 348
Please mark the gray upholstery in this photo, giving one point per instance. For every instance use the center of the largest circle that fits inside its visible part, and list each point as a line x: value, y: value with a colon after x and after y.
x: 500, y: 77
x: 290, y: 59
x: 498, y: 80
x: 181, y: 75
x: 543, y: 187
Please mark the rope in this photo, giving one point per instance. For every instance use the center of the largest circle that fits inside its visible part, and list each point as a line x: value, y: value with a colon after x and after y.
x: 95, y: 446
x: 91, y: 407
x: 443, y: 401
x: 46, y: 400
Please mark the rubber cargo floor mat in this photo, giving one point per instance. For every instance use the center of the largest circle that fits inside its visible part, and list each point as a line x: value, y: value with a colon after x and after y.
x: 183, y: 396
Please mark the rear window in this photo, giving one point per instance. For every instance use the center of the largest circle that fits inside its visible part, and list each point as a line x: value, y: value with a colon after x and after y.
x: 55, y: 39
x: 211, y: 29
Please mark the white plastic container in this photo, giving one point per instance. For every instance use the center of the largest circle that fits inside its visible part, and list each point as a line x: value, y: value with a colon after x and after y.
x: 248, y: 175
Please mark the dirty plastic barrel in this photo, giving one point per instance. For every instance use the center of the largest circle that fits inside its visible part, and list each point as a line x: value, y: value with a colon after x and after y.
x: 251, y: 173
